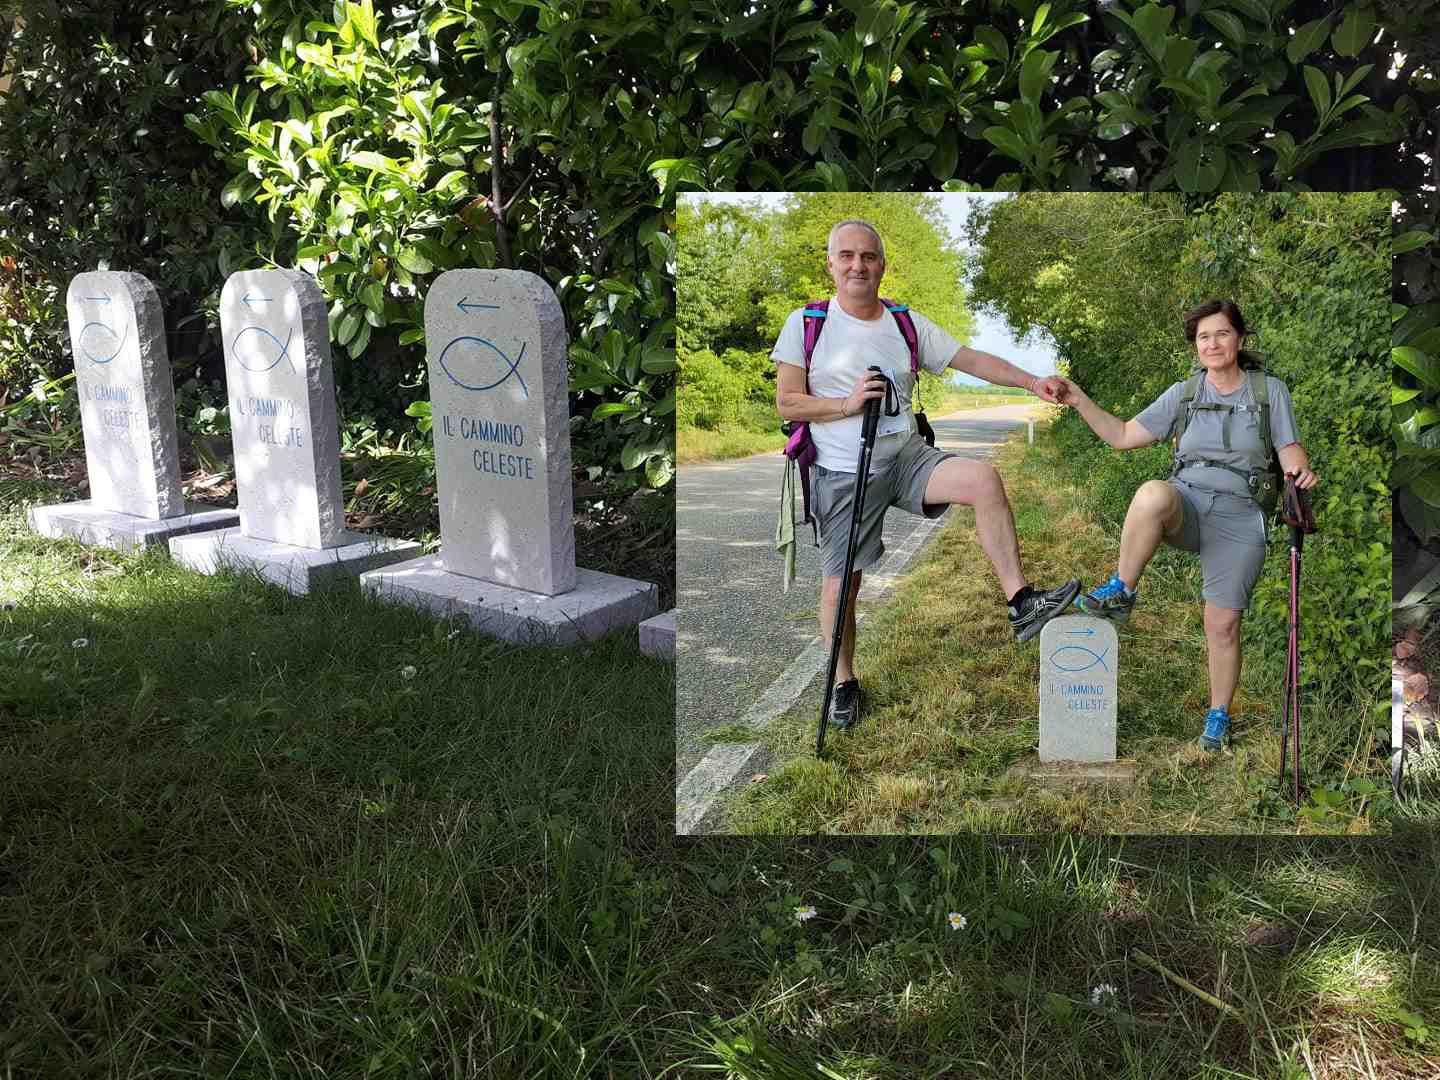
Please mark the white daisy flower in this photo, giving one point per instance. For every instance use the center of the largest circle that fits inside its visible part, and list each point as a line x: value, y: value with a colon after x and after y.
x: 805, y: 911
x: 957, y: 921
x: 80, y: 643
x: 1101, y: 992
x: 408, y: 672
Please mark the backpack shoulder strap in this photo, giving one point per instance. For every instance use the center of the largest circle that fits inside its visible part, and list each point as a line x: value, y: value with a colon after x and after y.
x: 814, y: 319
x: 1187, y: 395
x: 1260, y: 391
x: 906, y: 323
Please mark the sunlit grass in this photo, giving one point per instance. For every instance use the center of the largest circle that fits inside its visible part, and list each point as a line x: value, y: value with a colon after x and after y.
x: 949, y: 707
x: 302, y: 863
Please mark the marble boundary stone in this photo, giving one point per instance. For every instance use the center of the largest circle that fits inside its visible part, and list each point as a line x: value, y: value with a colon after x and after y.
x: 657, y: 635
x: 260, y: 472
x: 525, y: 535
x: 1079, y: 688
x: 598, y: 603
x: 130, y: 316
x: 292, y: 567
x: 88, y: 524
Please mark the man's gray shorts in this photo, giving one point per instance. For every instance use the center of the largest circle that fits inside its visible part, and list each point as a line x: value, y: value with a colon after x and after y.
x: 1228, y: 533
x: 901, y: 483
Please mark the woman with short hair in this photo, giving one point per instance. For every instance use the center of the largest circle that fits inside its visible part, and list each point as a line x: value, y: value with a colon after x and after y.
x: 1209, y: 504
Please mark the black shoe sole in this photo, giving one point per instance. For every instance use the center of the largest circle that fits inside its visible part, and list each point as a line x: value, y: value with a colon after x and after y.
x: 1035, y: 628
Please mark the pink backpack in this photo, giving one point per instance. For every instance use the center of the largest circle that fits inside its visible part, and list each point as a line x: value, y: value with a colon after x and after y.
x: 801, y: 448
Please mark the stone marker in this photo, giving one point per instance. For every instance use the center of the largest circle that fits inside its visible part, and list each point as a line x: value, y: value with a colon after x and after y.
x: 286, y: 440
x: 127, y: 414
x: 657, y: 635
x: 501, y: 424
x: 1079, y: 665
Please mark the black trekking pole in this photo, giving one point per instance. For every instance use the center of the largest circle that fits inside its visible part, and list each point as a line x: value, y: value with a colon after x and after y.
x: 862, y: 475
x: 1295, y: 512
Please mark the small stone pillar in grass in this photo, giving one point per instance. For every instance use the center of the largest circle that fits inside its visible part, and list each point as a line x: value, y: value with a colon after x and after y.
x: 499, y: 401
x: 281, y: 390
x: 1079, y: 672
x: 127, y: 416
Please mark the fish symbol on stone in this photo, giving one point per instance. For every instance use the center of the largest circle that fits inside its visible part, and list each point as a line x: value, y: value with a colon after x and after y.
x: 505, y: 364
x: 1078, y: 662
x: 255, y: 360
x: 95, y: 338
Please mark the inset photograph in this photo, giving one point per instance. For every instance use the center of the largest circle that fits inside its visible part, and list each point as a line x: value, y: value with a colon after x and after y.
x: 1032, y: 513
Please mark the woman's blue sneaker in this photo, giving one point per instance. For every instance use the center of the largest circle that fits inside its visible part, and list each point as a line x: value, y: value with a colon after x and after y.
x: 1109, y: 601
x: 1217, y: 729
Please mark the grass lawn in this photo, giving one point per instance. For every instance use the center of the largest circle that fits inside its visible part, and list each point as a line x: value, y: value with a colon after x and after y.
x: 238, y: 837
x: 694, y: 444
x: 951, y: 706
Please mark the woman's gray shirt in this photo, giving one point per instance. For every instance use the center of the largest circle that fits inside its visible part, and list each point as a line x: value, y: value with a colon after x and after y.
x: 1204, y: 434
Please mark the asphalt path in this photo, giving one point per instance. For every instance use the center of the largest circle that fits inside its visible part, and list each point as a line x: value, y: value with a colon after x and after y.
x: 737, y: 628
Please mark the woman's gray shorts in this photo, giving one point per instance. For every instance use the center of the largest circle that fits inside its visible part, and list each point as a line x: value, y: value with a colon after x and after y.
x: 1228, y: 533
x: 901, y: 483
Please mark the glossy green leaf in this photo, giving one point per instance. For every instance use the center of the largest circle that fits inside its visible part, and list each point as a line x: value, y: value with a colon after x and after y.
x: 1401, y: 394
x: 1307, y: 39
x: 373, y: 296
x: 360, y: 342
x: 1318, y: 87
x: 368, y: 159
x: 413, y: 261
x: 1411, y: 240
x: 237, y: 191
x: 1007, y: 142
x: 1256, y: 9
x: 348, y: 326
x: 1035, y: 73
x: 995, y: 41
x: 613, y: 408
x: 947, y: 154
x: 1199, y: 165
x: 659, y: 470
x: 1423, y: 366
x: 1228, y: 24
x: 1354, y: 31
x: 1151, y: 23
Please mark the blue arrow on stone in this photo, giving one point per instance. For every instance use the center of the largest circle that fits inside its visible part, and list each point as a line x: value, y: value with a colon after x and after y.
x: 99, y: 299
x: 463, y: 306
x: 1087, y: 632
x: 250, y: 301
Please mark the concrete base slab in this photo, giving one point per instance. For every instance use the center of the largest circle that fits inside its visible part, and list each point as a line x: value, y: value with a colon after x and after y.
x: 298, y: 569
x: 90, y: 524
x: 657, y: 635
x: 598, y: 603
x: 1066, y: 775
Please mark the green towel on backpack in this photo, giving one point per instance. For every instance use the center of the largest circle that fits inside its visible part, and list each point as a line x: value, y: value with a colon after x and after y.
x: 785, y: 527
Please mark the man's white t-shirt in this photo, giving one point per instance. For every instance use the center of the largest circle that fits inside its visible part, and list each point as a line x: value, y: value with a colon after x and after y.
x: 846, y: 347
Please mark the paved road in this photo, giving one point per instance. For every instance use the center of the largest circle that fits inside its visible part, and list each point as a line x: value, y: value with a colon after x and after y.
x: 737, y: 629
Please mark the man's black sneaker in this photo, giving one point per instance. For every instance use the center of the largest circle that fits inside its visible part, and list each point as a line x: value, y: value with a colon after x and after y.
x: 1037, y: 608
x: 845, y: 705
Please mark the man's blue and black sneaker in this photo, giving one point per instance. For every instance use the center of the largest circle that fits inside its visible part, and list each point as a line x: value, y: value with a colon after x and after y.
x: 1109, y: 601
x: 1217, y: 729
x: 1031, y: 609
x: 845, y: 705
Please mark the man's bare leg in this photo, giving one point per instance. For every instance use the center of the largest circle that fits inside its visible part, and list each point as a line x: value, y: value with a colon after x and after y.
x: 829, y: 597
x: 960, y: 481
